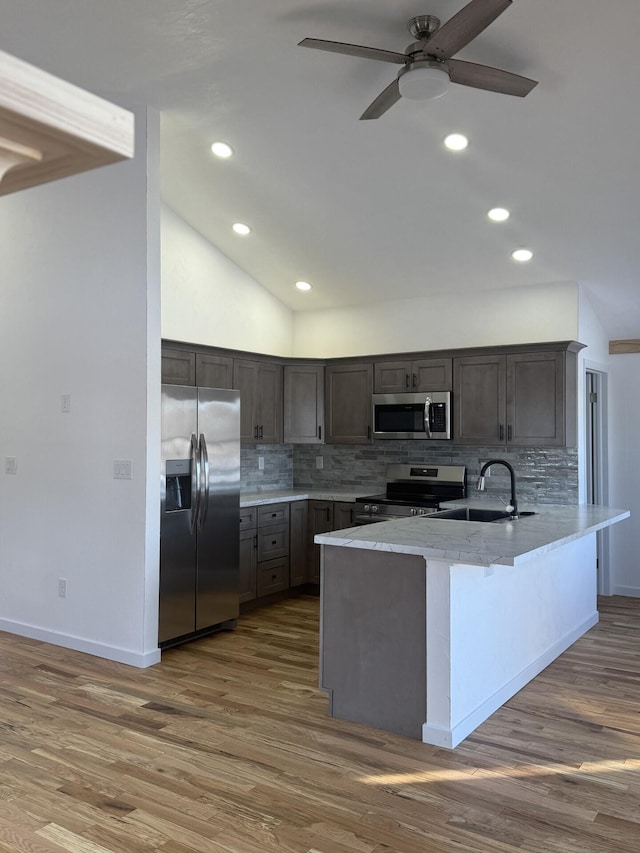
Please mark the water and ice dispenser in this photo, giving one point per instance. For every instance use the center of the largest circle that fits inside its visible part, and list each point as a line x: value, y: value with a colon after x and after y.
x: 178, y: 478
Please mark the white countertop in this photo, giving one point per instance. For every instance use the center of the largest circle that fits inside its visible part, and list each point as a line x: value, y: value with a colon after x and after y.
x: 507, y: 543
x: 284, y: 495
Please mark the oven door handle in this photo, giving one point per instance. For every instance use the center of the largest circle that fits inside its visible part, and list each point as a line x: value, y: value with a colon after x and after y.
x: 427, y: 416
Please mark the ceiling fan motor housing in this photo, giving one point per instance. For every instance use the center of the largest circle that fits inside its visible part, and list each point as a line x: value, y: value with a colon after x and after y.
x: 423, y: 26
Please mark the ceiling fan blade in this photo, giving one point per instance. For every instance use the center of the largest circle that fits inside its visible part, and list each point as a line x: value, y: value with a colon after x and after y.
x: 385, y: 100
x: 355, y: 50
x: 464, y: 27
x: 491, y: 79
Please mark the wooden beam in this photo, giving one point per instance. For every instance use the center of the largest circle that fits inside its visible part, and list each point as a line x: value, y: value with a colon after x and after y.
x: 623, y: 347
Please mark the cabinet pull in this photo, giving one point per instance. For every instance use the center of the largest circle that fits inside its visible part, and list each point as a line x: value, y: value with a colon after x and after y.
x: 406, y: 380
x: 369, y: 432
x: 274, y: 542
x: 320, y: 433
x: 255, y: 432
x: 415, y: 380
x: 261, y: 431
x: 509, y: 433
x: 255, y: 541
x: 501, y: 432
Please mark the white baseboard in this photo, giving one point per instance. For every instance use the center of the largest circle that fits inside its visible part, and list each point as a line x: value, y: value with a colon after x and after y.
x: 628, y: 591
x: 79, y: 645
x: 450, y: 738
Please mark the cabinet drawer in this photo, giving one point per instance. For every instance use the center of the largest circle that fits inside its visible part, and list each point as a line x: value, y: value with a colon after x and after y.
x: 273, y: 576
x: 273, y: 542
x: 273, y: 514
x: 248, y: 517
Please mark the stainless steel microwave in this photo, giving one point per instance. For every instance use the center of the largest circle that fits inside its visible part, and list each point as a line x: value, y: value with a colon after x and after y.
x: 424, y: 415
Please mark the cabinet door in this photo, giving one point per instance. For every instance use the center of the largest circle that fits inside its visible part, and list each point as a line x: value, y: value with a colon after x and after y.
x: 348, y: 390
x: 391, y: 377
x: 245, y: 379
x: 303, y: 404
x: 269, y: 408
x: 214, y: 371
x: 248, y: 564
x: 320, y: 521
x: 343, y: 515
x: 535, y: 399
x: 432, y: 374
x: 178, y: 367
x: 298, y: 519
x: 479, y: 399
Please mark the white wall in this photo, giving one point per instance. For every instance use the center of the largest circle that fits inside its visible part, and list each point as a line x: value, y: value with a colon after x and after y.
x: 79, y: 315
x: 207, y: 299
x: 624, y: 471
x: 493, y: 318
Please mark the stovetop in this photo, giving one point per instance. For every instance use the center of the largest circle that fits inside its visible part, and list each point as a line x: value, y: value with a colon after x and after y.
x: 420, y: 485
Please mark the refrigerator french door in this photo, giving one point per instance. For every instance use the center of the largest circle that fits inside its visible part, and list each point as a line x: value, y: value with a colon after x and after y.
x: 200, y: 511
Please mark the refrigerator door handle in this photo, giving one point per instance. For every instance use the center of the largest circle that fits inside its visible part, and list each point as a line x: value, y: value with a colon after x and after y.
x: 204, y: 487
x: 195, y: 482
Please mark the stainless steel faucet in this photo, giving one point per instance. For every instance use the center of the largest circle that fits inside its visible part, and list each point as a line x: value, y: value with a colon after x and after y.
x: 513, y: 508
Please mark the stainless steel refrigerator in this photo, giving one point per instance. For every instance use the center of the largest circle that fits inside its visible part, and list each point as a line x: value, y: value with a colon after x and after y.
x: 200, y: 511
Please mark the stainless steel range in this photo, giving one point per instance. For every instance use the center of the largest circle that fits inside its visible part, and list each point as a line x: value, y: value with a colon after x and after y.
x: 412, y: 490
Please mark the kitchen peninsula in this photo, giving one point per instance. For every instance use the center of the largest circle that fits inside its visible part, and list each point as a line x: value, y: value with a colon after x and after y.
x: 429, y: 625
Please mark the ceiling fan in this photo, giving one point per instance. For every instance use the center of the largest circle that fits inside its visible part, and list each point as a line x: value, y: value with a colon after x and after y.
x: 427, y: 64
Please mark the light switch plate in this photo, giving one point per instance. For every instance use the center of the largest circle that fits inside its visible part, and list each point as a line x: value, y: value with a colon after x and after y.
x: 10, y: 465
x: 123, y: 469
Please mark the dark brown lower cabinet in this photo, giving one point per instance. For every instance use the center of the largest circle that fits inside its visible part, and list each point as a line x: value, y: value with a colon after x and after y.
x: 298, y: 521
x: 277, y: 551
x: 343, y: 515
x: 320, y: 521
x: 248, y: 554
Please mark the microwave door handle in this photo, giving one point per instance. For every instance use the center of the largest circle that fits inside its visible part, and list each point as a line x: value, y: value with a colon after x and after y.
x: 195, y: 482
x: 427, y: 417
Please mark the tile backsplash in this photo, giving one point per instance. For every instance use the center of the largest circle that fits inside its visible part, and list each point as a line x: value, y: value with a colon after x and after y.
x: 544, y: 475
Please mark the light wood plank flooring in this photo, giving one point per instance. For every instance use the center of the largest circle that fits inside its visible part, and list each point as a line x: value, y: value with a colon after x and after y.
x: 226, y: 746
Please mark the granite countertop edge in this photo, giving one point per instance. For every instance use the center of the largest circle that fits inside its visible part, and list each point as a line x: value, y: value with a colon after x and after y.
x: 248, y: 499
x: 473, y: 543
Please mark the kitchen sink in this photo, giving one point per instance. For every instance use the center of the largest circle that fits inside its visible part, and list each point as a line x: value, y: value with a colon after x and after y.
x: 471, y: 514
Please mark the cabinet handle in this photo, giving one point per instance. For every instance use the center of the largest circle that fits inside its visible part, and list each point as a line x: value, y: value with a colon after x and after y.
x: 501, y: 432
x: 406, y: 380
x: 255, y: 432
x: 261, y: 431
x: 274, y: 542
x: 415, y: 380
x: 320, y: 433
x: 509, y: 433
x: 369, y: 432
x: 255, y: 541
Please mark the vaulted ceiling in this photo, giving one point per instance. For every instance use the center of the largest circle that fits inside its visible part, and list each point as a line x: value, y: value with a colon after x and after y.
x: 372, y: 210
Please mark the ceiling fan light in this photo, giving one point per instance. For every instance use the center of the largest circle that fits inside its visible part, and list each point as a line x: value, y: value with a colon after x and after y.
x: 423, y: 82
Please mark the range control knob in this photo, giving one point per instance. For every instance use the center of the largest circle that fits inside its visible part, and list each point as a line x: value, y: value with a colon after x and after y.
x: 374, y: 508
x: 422, y: 511
x: 367, y: 507
x: 413, y: 511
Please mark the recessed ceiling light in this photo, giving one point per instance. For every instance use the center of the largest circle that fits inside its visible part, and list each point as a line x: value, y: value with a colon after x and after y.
x: 221, y: 149
x: 498, y: 214
x: 456, y: 142
x: 522, y: 255
x: 241, y: 228
x: 303, y: 285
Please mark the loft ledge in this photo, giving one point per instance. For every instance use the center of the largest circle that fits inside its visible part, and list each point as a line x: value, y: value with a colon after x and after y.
x: 51, y: 129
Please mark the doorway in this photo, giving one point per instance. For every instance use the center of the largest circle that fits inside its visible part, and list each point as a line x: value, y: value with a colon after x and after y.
x: 596, y: 463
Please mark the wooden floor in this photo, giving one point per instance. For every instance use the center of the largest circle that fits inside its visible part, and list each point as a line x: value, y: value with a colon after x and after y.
x: 226, y: 746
